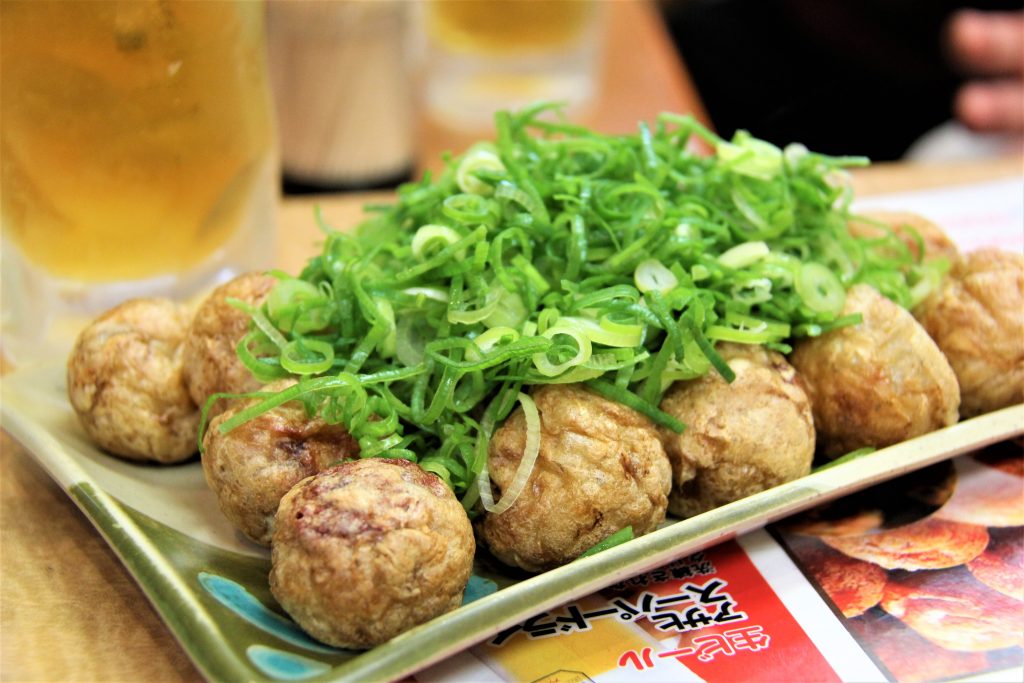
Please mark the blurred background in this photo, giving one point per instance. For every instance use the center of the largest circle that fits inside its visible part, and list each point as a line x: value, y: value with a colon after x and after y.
x: 371, y: 92
x: 884, y: 78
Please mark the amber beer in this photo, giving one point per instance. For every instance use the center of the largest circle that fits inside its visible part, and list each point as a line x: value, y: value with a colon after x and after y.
x: 508, y: 26
x: 488, y: 55
x: 136, y: 138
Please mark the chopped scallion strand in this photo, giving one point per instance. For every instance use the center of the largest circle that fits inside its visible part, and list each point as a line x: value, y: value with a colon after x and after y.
x: 843, y: 459
x: 743, y: 255
x: 557, y: 254
x: 618, y: 538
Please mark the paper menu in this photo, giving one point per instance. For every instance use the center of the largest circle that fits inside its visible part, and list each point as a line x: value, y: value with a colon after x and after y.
x: 978, y: 215
x: 944, y: 599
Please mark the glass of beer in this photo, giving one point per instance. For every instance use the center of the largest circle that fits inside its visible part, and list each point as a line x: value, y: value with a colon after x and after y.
x: 137, y: 155
x: 486, y: 55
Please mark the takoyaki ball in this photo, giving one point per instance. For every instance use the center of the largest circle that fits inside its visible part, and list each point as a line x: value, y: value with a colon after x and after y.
x: 211, y: 362
x: 741, y: 437
x: 937, y: 244
x: 977, y: 319
x: 876, y: 383
x: 601, y: 467
x: 368, y: 549
x: 125, y: 382
x: 251, y: 467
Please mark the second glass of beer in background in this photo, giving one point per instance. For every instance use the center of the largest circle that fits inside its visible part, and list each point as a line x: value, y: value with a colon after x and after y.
x: 481, y: 56
x: 138, y: 154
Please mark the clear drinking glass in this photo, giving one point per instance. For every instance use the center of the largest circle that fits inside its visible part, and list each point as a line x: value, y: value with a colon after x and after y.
x: 137, y: 156
x: 486, y: 55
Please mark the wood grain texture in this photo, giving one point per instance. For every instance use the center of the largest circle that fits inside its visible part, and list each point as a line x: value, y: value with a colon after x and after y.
x: 901, y: 177
x: 68, y: 609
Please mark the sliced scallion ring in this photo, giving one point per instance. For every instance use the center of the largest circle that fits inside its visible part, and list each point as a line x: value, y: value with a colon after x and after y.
x: 606, y: 331
x: 653, y: 275
x: 525, y: 467
x: 387, y: 314
x: 432, y: 293
x: 543, y: 363
x: 431, y: 234
x: 820, y: 289
x: 478, y: 158
x: 468, y: 317
x: 510, y: 311
x: 743, y: 255
x: 489, y: 339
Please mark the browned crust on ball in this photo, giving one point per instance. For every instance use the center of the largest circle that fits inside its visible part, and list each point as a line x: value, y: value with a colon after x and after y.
x: 125, y: 382
x: 601, y: 467
x: 977, y: 319
x: 876, y: 383
x: 365, y: 550
x: 741, y: 437
x: 211, y: 363
x: 251, y: 467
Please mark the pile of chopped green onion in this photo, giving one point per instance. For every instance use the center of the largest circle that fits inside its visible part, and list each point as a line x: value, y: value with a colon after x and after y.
x: 558, y: 254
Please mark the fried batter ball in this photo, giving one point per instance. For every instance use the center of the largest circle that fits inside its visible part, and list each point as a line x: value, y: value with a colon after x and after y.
x: 125, y: 382
x: 740, y: 438
x: 986, y: 495
x: 908, y: 656
x: 876, y: 383
x: 368, y: 549
x: 954, y: 611
x: 928, y: 543
x: 977, y: 319
x: 936, y: 242
x: 211, y: 362
x: 1001, y: 566
x: 251, y: 467
x: 853, y: 586
x: 601, y: 468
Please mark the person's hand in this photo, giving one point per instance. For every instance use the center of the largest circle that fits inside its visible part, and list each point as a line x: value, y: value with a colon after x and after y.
x: 989, y: 48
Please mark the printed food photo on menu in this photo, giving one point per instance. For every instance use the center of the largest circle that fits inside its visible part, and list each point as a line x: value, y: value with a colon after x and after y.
x: 926, y: 571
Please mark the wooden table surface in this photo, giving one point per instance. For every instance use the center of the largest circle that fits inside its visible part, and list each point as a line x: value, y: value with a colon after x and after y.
x: 70, y: 611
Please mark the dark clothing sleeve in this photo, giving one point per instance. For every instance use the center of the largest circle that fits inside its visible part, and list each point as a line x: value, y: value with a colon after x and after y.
x: 862, y: 77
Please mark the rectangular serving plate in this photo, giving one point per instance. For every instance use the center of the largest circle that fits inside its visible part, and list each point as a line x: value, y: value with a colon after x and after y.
x: 209, y: 585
